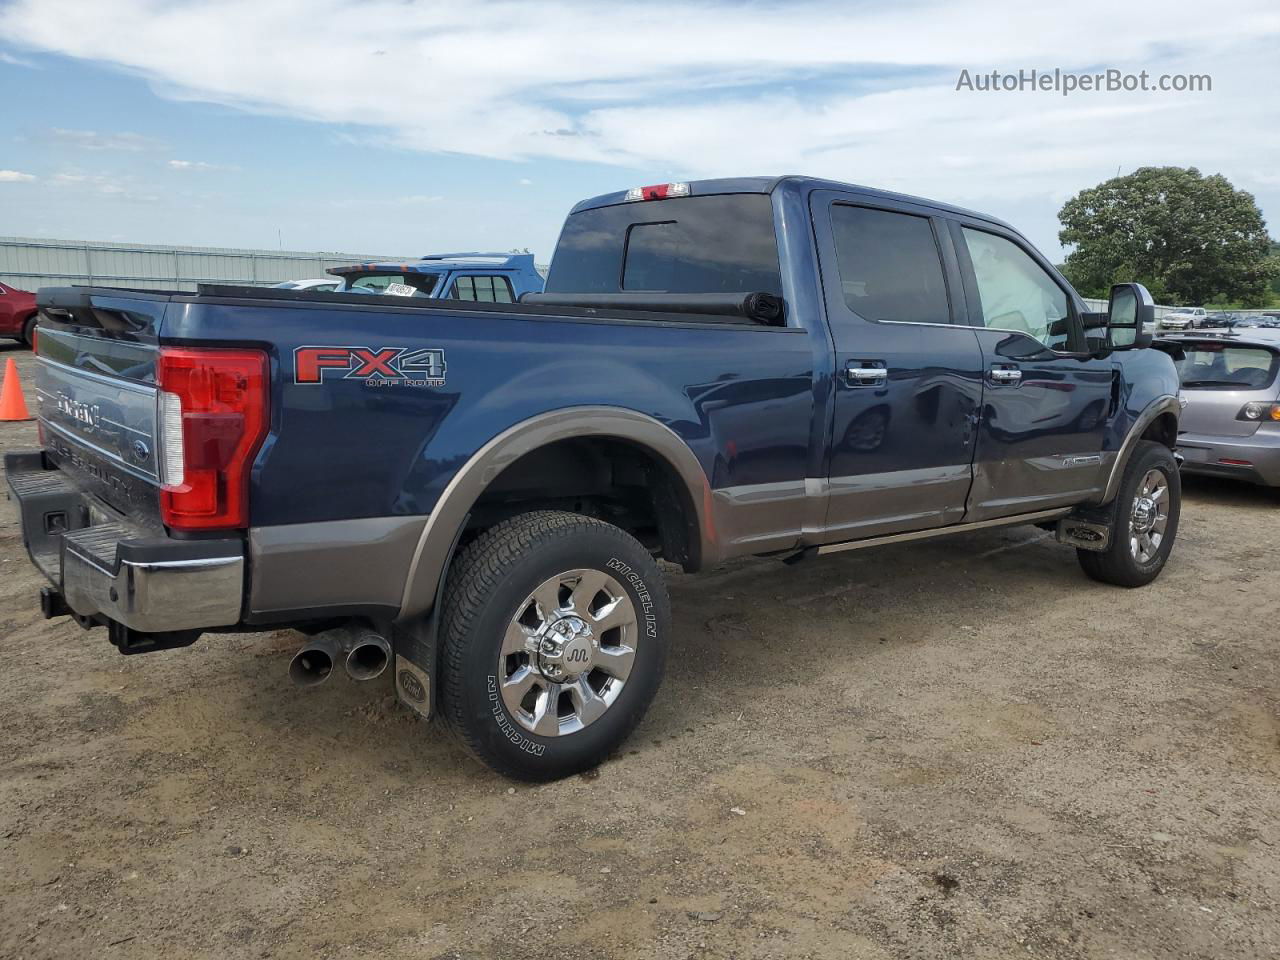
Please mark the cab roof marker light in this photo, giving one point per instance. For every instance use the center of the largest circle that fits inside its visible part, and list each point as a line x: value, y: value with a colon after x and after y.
x: 658, y: 191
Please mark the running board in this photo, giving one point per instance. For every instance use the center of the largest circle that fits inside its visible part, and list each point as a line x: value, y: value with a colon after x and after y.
x: 1038, y: 517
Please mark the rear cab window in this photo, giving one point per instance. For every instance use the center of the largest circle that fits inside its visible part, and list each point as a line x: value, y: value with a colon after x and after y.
x: 721, y: 243
x: 1226, y: 366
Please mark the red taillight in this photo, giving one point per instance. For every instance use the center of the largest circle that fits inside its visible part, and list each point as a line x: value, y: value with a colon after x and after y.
x: 213, y: 417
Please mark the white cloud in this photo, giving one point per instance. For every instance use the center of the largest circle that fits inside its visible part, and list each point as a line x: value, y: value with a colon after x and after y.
x: 191, y: 165
x: 863, y: 92
x: 525, y: 182
x: 15, y: 176
x: 16, y: 61
x: 93, y: 140
x: 124, y: 188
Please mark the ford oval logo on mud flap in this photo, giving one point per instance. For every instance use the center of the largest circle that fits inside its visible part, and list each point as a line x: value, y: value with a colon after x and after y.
x: 412, y: 687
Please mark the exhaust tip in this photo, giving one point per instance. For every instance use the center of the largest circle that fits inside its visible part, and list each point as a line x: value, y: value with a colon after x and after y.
x: 368, y: 658
x: 310, y: 666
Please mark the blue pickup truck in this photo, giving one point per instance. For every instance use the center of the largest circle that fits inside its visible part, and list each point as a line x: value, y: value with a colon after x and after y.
x: 485, y: 277
x: 473, y: 497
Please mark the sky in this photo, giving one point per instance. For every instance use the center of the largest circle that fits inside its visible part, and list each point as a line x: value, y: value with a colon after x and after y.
x: 404, y: 128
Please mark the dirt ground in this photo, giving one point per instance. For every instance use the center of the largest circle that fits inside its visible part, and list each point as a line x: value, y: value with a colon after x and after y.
x: 954, y: 749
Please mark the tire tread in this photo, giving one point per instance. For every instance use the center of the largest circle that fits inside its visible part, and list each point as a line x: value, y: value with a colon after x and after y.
x: 473, y: 579
x: 1115, y: 565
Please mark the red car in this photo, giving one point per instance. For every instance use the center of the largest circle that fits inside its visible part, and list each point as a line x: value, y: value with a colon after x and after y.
x: 17, y: 313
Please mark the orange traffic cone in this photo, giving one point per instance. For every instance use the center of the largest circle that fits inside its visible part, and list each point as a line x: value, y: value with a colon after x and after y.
x: 12, y: 404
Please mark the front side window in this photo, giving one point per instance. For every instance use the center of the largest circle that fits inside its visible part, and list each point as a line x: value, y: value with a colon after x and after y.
x: 483, y: 289
x: 1016, y: 292
x: 889, y: 265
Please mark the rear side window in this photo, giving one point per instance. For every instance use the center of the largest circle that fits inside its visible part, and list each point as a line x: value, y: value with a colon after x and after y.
x: 889, y: 266
x: 713, y: 244
x: 484, y: 289
x: 1224, y: 366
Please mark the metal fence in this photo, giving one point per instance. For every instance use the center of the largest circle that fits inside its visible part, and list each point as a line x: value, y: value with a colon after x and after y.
x: 30, y: 264
x: 1100, y: 306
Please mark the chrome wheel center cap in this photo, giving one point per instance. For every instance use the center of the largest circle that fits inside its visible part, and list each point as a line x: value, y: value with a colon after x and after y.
x: 1144, y: 514
x: 567, y: 649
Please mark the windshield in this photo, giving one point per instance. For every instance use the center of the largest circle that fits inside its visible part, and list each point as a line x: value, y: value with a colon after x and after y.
x: 1223, y: 366
x: 723, y: 243
x: 396, y: 284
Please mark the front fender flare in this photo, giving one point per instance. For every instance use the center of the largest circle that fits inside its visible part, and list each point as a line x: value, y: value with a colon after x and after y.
x: 466, y: 486
x: 1160, y: 405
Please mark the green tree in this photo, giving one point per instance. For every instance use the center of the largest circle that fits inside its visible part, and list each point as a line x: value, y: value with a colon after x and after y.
x: 1275, y: 281
x: 1189, y: 238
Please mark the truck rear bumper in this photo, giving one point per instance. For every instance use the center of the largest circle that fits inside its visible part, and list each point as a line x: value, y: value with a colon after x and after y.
x: 108, y: 571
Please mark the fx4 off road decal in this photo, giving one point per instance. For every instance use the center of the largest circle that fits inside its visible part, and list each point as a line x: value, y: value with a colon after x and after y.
x: 385, y: 366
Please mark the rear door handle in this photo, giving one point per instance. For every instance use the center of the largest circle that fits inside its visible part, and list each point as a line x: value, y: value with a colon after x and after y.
x: 1005, y: 375
x: 866, y: 373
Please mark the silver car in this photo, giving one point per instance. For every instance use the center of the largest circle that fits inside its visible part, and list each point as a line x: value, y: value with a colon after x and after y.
x: 1187, y: 318
x: 1230, y: 426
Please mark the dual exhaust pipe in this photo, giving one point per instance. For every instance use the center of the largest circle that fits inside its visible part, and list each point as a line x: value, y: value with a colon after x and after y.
x: 363, y: 652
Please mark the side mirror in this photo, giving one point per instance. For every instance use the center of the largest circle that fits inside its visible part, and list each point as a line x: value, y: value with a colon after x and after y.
x: 1129, y: 312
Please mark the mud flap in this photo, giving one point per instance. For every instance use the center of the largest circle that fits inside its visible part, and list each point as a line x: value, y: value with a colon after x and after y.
x: 1084, y: 533
x: 416, y: 646
x: 415, y: 653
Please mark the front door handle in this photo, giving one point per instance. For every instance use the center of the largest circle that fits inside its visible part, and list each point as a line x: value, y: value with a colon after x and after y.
x: 866, y: 373
x: 1005, y: 375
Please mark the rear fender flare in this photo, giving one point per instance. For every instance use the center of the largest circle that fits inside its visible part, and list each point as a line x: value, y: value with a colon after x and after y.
x: 466, y: 486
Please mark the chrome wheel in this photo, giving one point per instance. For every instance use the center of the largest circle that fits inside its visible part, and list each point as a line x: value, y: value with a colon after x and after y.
x: 567, y: 652
x: 1149, y: 517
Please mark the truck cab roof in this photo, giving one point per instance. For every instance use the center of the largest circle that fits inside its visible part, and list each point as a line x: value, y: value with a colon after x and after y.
x: 789, y: 182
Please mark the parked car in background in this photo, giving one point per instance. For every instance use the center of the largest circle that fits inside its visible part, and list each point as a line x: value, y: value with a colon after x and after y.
x: 1253, y: 321
x: 17, y: 314
x: 1219, y: 321
x: 316, y: 285
x: 480, y: 277
x: 1183, y: 319
x: 1230, y: 426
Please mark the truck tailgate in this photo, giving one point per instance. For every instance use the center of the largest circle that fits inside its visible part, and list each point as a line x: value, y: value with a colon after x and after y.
x: 96, y: 399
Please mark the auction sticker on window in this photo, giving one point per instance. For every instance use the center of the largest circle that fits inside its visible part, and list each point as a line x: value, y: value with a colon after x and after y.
x: 401, y: 290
